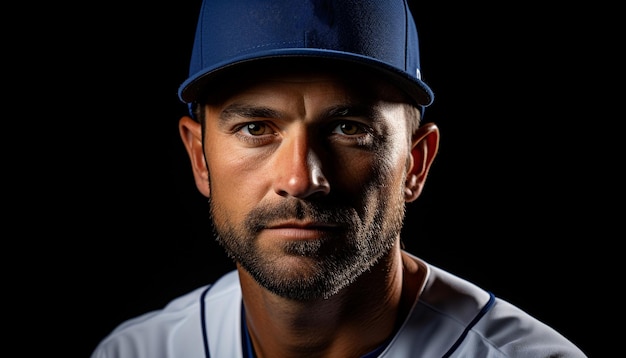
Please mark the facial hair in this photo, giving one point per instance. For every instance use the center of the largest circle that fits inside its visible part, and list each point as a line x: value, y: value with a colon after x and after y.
x: 312, y: 269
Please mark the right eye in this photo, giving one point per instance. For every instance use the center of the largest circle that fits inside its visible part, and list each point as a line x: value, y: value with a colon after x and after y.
x: 255, y: 129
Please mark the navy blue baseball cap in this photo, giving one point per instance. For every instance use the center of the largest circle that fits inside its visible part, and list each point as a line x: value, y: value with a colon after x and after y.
x: 379, y: 35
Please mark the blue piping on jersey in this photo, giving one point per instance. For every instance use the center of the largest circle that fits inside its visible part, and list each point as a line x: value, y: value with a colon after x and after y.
x: 483, y: 311
x: 205, y: 336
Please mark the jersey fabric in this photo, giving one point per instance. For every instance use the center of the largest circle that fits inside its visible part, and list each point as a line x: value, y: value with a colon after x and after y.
x: 451, y: 318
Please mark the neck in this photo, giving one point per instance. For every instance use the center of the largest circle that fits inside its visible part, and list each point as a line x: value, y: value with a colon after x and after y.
x: 353, y: 322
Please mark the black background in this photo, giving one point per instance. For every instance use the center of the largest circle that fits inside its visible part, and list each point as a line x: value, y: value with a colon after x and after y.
x: 514, y: 202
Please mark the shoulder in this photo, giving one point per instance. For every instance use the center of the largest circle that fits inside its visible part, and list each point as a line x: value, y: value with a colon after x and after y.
x: 456, y: 316
x: 174, y: 330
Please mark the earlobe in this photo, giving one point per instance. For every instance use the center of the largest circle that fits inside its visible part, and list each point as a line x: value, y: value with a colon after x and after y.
x: 425, y: 146
x: 191, y: 135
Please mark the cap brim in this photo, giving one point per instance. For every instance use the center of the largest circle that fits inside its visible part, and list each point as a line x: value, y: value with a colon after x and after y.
x: 195, y: 85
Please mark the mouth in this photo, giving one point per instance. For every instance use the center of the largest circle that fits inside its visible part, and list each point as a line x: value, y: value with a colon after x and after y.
x: 301, y: 230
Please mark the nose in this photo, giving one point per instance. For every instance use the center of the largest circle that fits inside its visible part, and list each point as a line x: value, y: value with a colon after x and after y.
x: 298, y: 170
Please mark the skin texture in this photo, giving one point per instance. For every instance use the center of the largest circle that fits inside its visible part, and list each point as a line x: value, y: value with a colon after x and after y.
x: 307, y: 177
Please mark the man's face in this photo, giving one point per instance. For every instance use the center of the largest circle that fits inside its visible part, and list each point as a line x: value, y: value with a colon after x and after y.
x: 307, y: 174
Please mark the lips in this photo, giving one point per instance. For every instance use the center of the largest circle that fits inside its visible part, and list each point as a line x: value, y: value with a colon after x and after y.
x: 300, y: 230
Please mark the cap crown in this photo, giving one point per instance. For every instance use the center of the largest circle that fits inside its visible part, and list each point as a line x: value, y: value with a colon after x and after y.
x: 379, y: 34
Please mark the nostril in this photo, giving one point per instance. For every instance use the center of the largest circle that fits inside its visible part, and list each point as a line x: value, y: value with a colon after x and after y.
x: 320, y: 183
x: 318, y: 177
x: 298, y: 172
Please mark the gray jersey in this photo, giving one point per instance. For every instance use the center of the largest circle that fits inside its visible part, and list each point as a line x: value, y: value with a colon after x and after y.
x: 451, y: 318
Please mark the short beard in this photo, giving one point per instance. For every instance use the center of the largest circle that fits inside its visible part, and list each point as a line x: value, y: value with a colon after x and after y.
x: 314, y: 269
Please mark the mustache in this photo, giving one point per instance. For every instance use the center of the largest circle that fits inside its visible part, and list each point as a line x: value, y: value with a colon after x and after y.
x: 261, y: 216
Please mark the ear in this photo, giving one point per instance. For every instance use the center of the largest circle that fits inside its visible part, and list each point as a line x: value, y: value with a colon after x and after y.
x: 191, y: 134
x: 425, y: 143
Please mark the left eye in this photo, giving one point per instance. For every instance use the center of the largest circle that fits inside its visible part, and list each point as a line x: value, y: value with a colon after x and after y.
x: 348, y: 128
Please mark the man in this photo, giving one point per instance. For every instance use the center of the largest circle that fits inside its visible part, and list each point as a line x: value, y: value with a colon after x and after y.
x: 306, y: 135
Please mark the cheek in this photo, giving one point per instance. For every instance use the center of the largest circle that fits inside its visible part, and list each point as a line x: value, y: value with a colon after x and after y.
x: 237, y: 184
x: 386, y: 160
x: 382, y: 171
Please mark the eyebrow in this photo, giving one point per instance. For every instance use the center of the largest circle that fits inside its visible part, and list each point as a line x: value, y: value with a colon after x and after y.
x: 349, y: 110
x: 253, y: 111
x: 247, y: 111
